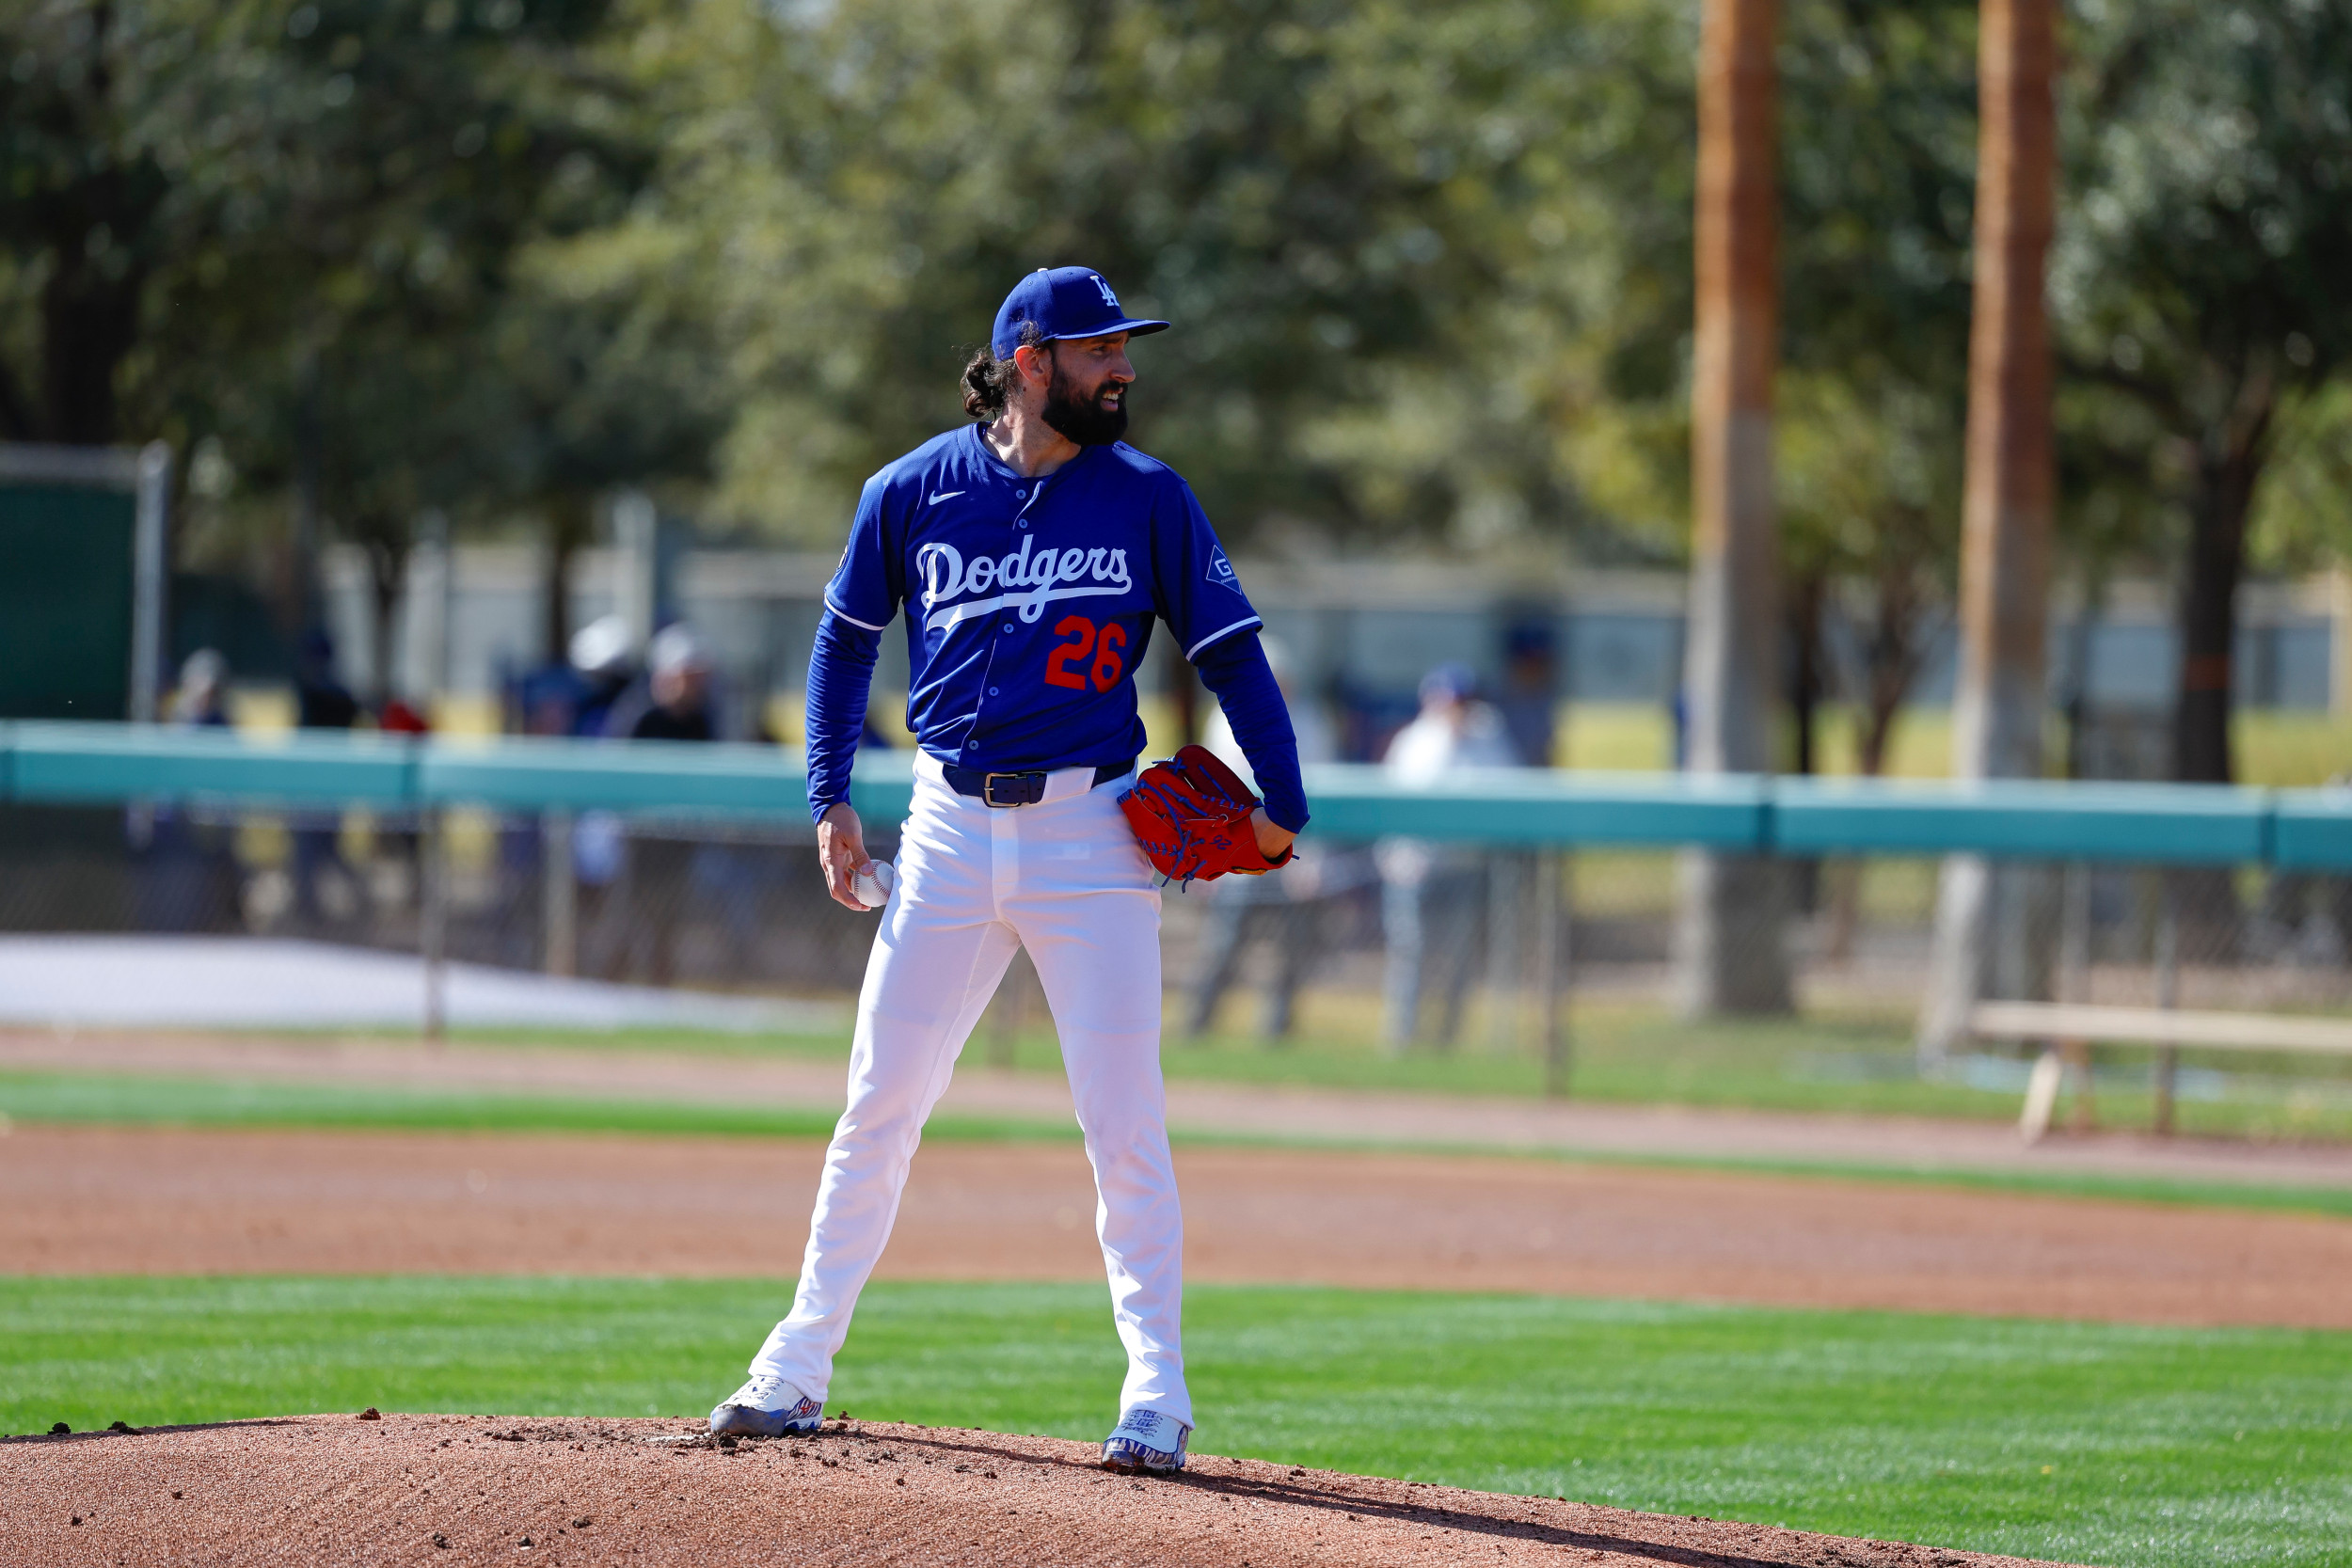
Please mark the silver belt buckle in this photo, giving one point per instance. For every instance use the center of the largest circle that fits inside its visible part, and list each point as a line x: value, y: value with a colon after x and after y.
x: 988, y: 791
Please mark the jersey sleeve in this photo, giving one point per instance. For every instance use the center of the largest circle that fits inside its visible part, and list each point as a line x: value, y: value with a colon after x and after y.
x: 870, y: 582
x: 1235, y: 669
x: 1193, y: 585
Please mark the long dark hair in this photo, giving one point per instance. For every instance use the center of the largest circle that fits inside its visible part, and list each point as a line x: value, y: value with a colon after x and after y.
x: 988, y: 380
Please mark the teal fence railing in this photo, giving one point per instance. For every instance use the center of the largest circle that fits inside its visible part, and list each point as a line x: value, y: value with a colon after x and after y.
x: 2301, y: 829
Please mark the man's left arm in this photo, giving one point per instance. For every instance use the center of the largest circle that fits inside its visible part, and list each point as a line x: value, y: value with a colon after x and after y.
x: 1198, y: 595
x: 1234, y: 669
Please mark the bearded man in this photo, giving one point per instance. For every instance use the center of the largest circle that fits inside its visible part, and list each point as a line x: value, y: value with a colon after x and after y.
x: 1032, y: 552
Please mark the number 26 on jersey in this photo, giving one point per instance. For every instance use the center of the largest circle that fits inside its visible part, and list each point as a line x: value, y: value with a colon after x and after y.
x: 1067, y: 664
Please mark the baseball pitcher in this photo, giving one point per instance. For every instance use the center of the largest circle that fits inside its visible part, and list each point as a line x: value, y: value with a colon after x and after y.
x: 1032, y: 551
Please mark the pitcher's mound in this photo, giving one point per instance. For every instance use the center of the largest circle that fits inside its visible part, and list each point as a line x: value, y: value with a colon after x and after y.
x: 446, y: 1490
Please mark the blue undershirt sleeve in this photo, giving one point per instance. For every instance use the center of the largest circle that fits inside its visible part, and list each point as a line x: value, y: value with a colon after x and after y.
x: 840, y: 676
x: 1234, y: 669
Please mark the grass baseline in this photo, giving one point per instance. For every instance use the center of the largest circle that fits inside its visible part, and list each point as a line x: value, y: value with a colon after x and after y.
x: 135, y: 1099
x: 1843, y: 1059
x: 2092, y: 1442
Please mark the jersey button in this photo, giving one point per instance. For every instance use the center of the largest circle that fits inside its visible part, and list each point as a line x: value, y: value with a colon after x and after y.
x: 1008, y: 625
x: 991, y: 691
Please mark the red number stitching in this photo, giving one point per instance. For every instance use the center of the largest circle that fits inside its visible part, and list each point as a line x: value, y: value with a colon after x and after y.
x: 1081, y: 634
x: 1108, y: 666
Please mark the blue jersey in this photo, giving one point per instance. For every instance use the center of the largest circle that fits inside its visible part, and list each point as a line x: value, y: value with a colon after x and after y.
x: 1029, y: 601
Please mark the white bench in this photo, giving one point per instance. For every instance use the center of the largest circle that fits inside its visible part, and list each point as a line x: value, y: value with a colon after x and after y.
x: 2163, y: 1027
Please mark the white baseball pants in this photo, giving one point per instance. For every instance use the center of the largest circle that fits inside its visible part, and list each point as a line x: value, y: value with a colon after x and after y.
x: 1065, y: 880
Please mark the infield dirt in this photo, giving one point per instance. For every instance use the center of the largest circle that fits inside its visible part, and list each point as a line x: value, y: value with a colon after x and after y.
x: 125, y: 1200
x: 447, y: 1490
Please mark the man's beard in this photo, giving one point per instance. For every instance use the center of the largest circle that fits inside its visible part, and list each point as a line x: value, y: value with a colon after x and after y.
x: 1085, y: 421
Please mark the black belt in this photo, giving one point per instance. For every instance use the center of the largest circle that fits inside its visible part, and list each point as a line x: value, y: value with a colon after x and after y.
x: 1016, y: 790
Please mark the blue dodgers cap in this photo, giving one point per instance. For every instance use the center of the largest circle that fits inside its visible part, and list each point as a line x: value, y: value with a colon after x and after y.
x: 1065, y: 302
x: 1455, y: 682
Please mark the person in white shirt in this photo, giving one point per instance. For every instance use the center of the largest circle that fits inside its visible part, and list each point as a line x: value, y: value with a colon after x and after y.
x: 1282, y: 910
x: 1431, y: 895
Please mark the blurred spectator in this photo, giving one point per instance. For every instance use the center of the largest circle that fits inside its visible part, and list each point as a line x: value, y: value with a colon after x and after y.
x: 398, y: 718
x: 546, y: 701
x: 599, y: 654
x: 678, y: 684
x: 201, y: 699
x: 323, y: 704
x: 1432, y: 895
x: 1531, y: 689
x: 397, y: 841
x: 602, y: 671
x: 1279, y: 911
x: 187, y: 878
x: 663, y: 871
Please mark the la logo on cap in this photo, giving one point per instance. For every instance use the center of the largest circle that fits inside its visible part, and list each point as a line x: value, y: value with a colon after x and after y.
x: 1051, y: 303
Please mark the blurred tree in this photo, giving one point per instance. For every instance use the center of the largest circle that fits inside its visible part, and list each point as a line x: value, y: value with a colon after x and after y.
x: 2301, y: 521
x: 1871, y: 479
x: 1987, y: 914
x: 90, y: 104
x: 418, y: 359
x: 1730, y: 933
x: 1430, y: 268
x: 2199, y: 279
x: 300, y: 234
x: 1376, y: 226
x: 1879, y: 175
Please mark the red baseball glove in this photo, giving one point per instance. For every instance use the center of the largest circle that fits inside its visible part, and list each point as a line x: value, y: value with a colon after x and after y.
x: 1191, y: 814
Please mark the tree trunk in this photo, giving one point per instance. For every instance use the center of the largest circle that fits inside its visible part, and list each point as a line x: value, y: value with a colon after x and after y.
x: 89, y: 304
x: 387, y: 574
x: 2210, y: 917
x: 2217, y: 560
x: 89, y: 324
x: 569, y: 519
x: 298, y: 590
x: 1892, y: 652
x: 1807, y: 596
x: 2006, y: 512
x: 1730, y: 933
x: 2081, y: 636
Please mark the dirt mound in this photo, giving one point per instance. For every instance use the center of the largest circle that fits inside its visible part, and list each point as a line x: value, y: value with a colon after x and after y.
x: 446, y: 1490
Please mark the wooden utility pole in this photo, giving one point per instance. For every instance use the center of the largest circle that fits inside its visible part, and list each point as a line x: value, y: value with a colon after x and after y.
x: 1730, y: 936
x: 2012, y: 479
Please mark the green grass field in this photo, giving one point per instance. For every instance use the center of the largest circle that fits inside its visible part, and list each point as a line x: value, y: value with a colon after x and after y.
x: 1632, y: 1053
x: 125, y: 1099
x: 2083, y: 1442
x: 1640, y: 1053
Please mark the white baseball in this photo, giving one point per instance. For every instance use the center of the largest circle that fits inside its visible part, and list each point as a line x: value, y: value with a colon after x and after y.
x: 871, y: 886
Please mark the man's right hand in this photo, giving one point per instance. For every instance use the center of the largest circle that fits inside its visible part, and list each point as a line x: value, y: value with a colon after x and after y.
x: 841, y: 850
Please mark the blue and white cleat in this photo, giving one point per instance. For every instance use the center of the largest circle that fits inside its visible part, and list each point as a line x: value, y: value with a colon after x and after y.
x: 766, y: 1407
x: 1145, y: 1440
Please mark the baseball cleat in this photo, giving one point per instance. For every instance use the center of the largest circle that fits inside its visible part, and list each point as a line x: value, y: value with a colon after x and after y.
x: 1145, y: 1440
x: 766, y: 1407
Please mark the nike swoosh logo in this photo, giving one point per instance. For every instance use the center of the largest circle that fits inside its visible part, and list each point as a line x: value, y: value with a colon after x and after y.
x: 938, y: 496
